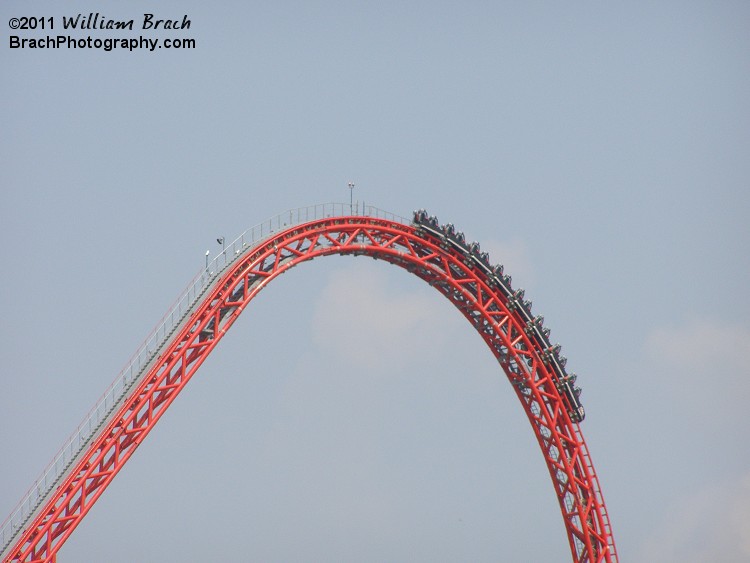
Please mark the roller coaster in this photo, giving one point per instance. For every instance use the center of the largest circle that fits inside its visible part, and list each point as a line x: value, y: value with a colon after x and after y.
x: 438, y: 254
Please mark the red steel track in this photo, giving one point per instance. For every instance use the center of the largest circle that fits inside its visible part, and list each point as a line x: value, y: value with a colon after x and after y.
x: 446, y: 269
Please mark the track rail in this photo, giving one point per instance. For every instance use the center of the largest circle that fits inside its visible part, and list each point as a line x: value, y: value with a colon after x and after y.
x: 225, y: 292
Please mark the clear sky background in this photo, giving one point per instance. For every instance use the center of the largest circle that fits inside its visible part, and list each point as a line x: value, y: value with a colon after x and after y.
x: 600, y: 151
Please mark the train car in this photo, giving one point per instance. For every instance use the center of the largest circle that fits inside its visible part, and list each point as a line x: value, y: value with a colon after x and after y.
x: 448, y: 237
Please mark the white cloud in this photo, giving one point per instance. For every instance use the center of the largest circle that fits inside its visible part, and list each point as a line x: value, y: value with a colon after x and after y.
x: 514, y: 256
x: 701, y: 343
x: 688, y: 387
x: 362, y: 315
x: 712, y: 524
x: 703, y: 355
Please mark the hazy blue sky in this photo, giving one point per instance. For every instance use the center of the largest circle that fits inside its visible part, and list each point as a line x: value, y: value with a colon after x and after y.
x: 601, y: 151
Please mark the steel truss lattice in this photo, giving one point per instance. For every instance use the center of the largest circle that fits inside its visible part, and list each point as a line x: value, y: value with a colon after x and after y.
x: 446, y: 269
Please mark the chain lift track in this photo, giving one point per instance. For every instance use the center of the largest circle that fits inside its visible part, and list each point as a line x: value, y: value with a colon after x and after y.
x: 491, y: 307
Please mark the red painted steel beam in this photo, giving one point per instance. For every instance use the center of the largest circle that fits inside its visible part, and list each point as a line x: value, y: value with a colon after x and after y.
x: 445, y: 268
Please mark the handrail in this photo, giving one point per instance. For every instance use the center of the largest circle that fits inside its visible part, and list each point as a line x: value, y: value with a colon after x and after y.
x: 157, y: 338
